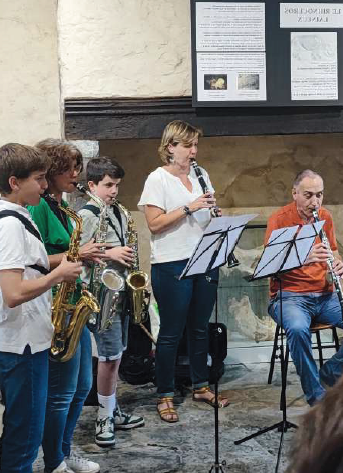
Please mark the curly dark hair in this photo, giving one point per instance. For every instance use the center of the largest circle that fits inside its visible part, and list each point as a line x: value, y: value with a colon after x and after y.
x: 61, y: 154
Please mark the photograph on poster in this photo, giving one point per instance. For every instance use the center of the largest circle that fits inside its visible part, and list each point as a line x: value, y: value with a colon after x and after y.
x: 314, y: 66
x: 248, y: 82
x: 244, y: 76
x: 215, y: 81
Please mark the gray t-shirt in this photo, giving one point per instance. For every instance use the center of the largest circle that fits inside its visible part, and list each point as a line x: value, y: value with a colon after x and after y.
x: 90, y: 224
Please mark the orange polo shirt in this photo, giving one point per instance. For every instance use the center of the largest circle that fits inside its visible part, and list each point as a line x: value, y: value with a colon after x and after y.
x: 310, y: 278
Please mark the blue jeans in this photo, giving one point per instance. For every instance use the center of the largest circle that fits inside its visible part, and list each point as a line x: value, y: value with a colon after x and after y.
x: 24, y: 387
x: 298, y: 311
x: 69, y: 385
x: 188, y: 302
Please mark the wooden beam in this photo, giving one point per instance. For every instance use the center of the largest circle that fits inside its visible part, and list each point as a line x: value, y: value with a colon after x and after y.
x: 111, y: 119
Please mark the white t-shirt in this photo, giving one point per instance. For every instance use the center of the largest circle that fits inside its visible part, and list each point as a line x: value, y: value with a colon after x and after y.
x: 167, y: 192
x: 28, y: 323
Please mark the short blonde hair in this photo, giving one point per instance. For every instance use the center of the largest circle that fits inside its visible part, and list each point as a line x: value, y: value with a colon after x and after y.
x: 176, y: 132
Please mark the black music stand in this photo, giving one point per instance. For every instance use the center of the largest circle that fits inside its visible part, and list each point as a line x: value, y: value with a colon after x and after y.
x: 287, y: 249
x: 217, y: 243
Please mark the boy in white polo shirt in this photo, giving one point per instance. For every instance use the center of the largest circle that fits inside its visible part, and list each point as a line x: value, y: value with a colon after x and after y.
x: 25, y: 306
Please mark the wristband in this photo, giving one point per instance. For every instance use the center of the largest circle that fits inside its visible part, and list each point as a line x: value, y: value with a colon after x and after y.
x: 186, y: 210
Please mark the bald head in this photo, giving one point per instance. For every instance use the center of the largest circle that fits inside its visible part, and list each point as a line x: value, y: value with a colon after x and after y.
x: 308, y: 191
x: 306, y: 173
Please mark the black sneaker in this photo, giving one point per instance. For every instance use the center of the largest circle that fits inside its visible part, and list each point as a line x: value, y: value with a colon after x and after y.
x: 126, y: 421
x: 104, y: 431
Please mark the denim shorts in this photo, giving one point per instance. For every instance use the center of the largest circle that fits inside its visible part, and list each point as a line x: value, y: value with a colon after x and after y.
x: 112, y: 342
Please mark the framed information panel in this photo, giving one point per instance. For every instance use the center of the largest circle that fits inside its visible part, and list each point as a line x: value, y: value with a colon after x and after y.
x: 267, y: 53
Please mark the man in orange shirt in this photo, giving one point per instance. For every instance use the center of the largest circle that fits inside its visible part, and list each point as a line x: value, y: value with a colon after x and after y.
x: 307, y: 295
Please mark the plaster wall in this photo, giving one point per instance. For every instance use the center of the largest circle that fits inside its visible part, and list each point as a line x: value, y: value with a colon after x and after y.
x: 132, y: 48
x: 250, y: 175
x: 29, y: 74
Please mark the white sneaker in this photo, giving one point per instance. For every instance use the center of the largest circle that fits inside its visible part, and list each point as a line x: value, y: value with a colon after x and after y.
x: 123, y: 421
x: 62, y: 468
x: 81, y: 465
x: 104, y: 431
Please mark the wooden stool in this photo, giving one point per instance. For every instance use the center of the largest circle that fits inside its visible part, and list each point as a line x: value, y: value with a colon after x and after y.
x: 314, y: 328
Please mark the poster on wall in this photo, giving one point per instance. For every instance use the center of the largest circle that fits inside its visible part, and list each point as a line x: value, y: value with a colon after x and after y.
x: 231, y: 58
x: 266, y: 53
x: 314, y: 66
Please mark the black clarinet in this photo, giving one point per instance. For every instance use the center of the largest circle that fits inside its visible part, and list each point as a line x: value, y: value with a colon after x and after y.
x: 232, y: 261
x: 335, y: 279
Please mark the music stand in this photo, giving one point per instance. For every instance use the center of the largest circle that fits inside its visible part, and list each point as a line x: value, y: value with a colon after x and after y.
x: 287, y: 249
x: 217, y: 243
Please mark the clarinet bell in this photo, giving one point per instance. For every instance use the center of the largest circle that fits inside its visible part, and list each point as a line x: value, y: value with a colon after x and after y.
x: 232, y: 261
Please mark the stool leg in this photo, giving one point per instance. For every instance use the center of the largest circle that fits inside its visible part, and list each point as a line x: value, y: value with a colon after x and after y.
x: 273, y: 357
x: 335, y: 338
x: 319, y: 347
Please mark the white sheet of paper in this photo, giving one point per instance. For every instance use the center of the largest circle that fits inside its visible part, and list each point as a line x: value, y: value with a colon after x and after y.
x: 231, y: 229
x: 283, y: 235
x: 280, y: 241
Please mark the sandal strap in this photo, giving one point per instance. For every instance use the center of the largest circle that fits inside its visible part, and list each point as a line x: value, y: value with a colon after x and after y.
x: 162, y: 400
x: 202, y: 390
x: 167, y: 410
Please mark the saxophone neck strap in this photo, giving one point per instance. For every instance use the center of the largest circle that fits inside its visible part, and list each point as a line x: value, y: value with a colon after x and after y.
x: 31, y: 229
x: 96, y: 211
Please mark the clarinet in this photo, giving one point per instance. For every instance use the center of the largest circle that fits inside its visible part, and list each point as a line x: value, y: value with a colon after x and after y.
x: 232, y: 261
x: 335, y: 279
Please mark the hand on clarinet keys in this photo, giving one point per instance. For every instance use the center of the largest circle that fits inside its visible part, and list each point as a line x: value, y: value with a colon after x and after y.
x: 337, y: 266
x: 318, y: 254
x: 205, y: 201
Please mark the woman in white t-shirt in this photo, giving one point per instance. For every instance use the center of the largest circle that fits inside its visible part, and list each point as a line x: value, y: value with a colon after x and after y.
x: 177, y: 212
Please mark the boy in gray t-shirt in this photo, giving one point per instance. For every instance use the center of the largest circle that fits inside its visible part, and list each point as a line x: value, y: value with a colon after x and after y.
x: 104, y: 176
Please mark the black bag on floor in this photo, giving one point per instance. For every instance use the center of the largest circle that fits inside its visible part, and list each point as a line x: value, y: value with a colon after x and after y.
x: 92, y: 398
x: 138, y: 364
x: 217, y: 350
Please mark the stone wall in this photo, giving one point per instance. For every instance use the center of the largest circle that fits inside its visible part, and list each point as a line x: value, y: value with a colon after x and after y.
x: 29, y: 75
x: 250, y: 175
x: 132, y: 48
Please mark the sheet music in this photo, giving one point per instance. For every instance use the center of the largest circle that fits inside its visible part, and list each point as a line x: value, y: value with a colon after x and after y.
x: 271, y: 260
x: 284, y: 252
x: 228, y: 223
x: 283, y: 235
x: 221, y: 235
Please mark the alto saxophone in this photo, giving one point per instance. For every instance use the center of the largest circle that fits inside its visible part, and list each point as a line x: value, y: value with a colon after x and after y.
x: 105, y: 283
x: 69, y: 319
x: 137, y: 280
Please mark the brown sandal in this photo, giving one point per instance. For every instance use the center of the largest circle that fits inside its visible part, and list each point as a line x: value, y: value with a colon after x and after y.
x: 211, y: 401
x: 167, y: 411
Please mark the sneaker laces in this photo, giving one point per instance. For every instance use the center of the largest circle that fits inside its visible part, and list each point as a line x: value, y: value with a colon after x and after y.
x: 78, y: 461
x: 122, y: 415
x: 104, y: 424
